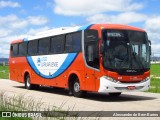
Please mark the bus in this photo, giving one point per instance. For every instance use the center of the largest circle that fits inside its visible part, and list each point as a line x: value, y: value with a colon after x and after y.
x: 100, y: 58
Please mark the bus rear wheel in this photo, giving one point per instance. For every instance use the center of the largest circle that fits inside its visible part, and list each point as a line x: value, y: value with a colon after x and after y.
x: 115, y: 94
x: 76, y: 89
x: 28, y: 84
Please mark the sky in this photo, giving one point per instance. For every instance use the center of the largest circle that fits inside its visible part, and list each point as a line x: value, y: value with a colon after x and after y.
x: 23, y: 18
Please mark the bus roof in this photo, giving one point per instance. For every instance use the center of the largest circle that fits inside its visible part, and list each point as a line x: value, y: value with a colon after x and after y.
x: 63, y: 30
x: 115, y: 26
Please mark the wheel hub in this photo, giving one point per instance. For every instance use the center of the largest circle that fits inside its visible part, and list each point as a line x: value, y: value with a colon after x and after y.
x: 76, y: 87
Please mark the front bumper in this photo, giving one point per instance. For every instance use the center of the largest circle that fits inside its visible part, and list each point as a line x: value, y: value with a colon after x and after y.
x: 107, y: 86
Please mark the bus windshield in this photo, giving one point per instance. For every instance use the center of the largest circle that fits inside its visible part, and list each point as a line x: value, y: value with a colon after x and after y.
x: 126, y: 50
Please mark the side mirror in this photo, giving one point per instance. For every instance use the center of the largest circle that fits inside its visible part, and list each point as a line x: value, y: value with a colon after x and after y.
x: 102, y: 48
x: 149, y: 43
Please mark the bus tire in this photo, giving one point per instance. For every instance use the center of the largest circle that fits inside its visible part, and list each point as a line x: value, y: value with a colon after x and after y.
x: 28, y: 85
x: 115, y: 94
x: 76, y: 89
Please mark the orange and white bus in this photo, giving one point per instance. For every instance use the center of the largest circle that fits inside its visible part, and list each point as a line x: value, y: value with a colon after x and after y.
x: 103, y: 58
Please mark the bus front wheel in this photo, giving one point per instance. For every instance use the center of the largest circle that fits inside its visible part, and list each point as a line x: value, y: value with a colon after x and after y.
x: 76, y: 89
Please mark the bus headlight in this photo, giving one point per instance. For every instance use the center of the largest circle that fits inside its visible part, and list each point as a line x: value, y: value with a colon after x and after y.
x: 110, y: 79
x: 146, y: 79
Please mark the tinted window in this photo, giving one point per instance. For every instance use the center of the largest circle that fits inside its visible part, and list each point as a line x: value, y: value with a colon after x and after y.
x: 91, y: 35
x: 32, y: 47
x: 57, y: 44
x: 44, y: 45
x: 91, y: 48
x: 69, y: 44
x: 73, y: 42
x: 14, y: 50
x: 77, y: 42
x: 23, y: 49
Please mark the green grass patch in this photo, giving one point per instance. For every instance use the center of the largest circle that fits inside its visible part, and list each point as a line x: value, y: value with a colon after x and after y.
x: 155, y: 70
x: 11, y: 104
x: 155, y: 82
x: 154, y: 85
x: 4, y: 72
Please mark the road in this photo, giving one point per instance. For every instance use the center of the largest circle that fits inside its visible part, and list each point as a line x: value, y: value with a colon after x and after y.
x: 128, y: 101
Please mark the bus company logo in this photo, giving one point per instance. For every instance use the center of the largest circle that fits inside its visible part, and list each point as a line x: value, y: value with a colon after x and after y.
x: 38, y: 61
x: 132, y: 71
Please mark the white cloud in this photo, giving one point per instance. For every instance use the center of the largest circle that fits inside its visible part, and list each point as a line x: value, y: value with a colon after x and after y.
x: 13, y: 24
x: 4, y: 4
x: 130, y: 17
x: 155, y: 49
x: 13, y: 27
x: 37, y: 20
x: 35, y: 31
x: 152, y: 26
x: 4, y: 32
x: 122, y: 18
x: 8, y: 18
x: 19, y: 24
x: 90, y: 7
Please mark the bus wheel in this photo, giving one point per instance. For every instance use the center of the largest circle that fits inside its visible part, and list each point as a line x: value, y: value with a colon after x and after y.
x: 76, y: 89
x: 27, y: 82
x: 115, y: 94
x: 28, y: 85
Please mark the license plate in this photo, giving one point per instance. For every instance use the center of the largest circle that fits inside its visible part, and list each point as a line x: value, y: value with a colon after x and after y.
x: 131, y: 87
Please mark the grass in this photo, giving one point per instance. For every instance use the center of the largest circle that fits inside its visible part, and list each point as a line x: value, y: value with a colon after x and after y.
x: 4, y: 72
x: 155, y: 70
x: 11, y: 104
x: 155, y: 85
x: 24, y: 103
x: 155, y: 81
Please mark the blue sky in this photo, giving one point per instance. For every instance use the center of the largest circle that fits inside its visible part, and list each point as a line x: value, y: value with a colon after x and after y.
x: 22, y: 18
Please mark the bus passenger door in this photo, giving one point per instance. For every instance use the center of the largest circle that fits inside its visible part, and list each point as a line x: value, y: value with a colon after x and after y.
x: 90, y: 82
x: 91, y: 55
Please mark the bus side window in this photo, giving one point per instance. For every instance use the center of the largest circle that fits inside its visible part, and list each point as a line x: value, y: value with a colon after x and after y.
x: 44, y: 46
x: 22, y: 49
x: 77, y: 41
x: 73, y: 42
x: 69, y: 43
x: 32, y: 47
x: 57, y: 44
x: 14, y: 50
